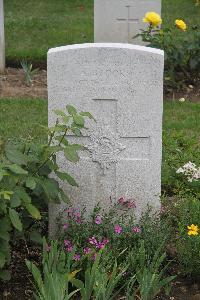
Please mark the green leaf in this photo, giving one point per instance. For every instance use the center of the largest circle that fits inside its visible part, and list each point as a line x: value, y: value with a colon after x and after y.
x: 64, y: 197
x: 22, y: 194
x: 15, y: 201
x: 51, y: 188
x: 14, y: 217
x: 35, y: 236
x: 2, y: 260
x: 67, y: 177
x: 5, y: 275
x: 15, y: 156
x: 17, y: 169
x: 4, y: 234
x: 87, y: 114
x: 30, y: 183
x: 71, y: 154
x: 71, y: 110
x: 33, y: 211
x: 76, y: 131
x: 79, y: 120
x: 59, y: 113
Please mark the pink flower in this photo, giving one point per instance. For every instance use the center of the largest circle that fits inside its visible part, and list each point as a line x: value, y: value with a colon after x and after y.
x: 78, y: 220
x: 69, y: 248
x: 121, y: 200
x: 67, y: 243
x: 86, y: 250
x: 65, y: 226
x: 98, y: 220
x: 131, y: 204
x: 117, y: 229
x: 77, y: 257
x: 93, y: 241
x: 70, y: 212
x: 105, y: 241
x: 136, y: 229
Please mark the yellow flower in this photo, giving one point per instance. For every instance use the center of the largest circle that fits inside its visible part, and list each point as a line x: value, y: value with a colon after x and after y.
x: 181, y: 25
x: 193, y: 229
x: 152, y: 18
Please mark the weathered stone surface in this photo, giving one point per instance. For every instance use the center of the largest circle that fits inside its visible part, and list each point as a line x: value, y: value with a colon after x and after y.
x: 118, y: 21
x: 121, y: 85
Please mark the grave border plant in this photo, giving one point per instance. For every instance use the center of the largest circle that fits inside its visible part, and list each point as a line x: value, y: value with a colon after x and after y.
x: 26, y: 182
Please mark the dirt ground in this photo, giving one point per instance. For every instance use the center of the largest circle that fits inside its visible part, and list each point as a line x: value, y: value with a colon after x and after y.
x: 13, y: 85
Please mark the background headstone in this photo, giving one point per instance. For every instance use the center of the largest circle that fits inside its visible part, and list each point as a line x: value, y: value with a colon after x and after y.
x: 117, y: 21
x: 122, y: 86
x: 2, y: 40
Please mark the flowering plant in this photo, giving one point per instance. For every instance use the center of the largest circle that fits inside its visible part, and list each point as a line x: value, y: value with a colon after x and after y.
x: 181, y: 60
x: 116, y: 232
x: 191, y: 171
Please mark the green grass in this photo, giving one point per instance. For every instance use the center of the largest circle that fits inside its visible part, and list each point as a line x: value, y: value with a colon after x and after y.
x: 34, y: 26
x: 21, y: 118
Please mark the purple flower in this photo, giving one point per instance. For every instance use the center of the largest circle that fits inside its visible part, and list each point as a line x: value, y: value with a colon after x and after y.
x: 77, y: 257
x: 93, y: 241
x: 136, y: 229
x: 98, y: 220
x: 86, y: 250
x: 65, y: 226
x: 117, y: 229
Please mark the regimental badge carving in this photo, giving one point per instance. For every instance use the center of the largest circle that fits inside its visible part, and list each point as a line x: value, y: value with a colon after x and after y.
x: 105, y: 146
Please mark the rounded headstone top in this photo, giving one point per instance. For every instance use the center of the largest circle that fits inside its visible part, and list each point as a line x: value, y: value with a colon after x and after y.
x: 106, y: 45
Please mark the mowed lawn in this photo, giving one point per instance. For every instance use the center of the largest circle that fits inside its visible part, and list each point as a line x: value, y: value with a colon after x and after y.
x: 24, y: 118
x: 34, y: 26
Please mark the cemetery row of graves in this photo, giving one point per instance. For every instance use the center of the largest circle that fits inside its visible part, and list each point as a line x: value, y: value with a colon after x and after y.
x: 100, y: 185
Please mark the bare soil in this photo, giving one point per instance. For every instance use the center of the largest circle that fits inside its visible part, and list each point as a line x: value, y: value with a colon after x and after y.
x: 13, y: 85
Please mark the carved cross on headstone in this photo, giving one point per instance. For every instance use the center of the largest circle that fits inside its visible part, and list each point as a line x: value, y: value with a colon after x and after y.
x: 105, y: 144
x: 128, y: 21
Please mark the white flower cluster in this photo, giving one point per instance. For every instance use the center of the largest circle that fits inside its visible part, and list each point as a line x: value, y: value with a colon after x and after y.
x: 191, y: 171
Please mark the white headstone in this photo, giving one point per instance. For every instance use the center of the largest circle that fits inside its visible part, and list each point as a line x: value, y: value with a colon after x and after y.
x: 118, y: 21
x: 2, y: 41
x: 122, y: 86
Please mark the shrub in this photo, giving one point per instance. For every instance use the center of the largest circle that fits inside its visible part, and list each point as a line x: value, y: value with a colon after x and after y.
x: 182, y: 61
x: 26, y: 182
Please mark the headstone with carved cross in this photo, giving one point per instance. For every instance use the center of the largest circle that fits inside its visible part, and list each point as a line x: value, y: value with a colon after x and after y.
x: 121, y: 85
x: 118, y: 21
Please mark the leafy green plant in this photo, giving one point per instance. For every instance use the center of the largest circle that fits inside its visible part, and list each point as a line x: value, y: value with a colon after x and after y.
x: 150, y: 276
x: 29, y: 73
x: 53, y: 282
x: 26, y: 182
x: 98, y: 282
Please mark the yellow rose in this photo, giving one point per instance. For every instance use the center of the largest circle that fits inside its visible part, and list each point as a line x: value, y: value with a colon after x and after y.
x: 152, y: 18
x: 181, y: 24
x: 193, y: 229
